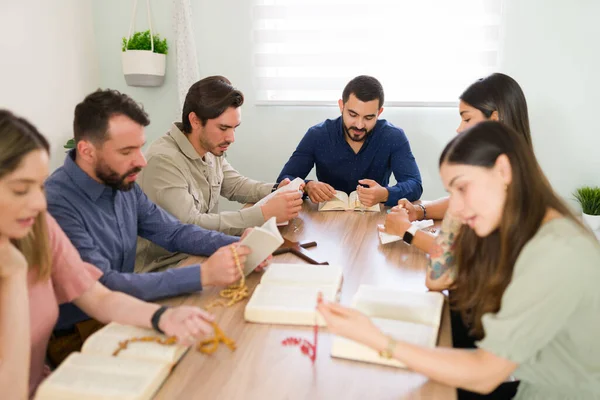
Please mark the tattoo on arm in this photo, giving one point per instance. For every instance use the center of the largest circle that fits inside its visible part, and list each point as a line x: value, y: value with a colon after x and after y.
x: 442, y: 258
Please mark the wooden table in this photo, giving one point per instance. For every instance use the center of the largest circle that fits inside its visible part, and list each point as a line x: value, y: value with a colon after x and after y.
x: 261, y: 368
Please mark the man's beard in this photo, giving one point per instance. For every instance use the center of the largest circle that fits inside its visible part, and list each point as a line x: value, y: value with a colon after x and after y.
x: 214, y: 150
x: 356, y: 138
x: 112, y: 179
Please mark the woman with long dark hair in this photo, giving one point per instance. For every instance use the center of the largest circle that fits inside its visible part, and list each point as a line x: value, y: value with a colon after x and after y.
x: 526, y: 278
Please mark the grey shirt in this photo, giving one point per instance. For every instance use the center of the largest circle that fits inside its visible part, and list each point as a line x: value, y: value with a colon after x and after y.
x: 549, y: 318
x: 188, y: 186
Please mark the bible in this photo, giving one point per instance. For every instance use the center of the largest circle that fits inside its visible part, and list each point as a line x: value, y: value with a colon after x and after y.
x: 290, y: 187
x: 341, y: 202
x: 287, y: 294
x: 263, y: 240
x: 413, y: 317
x: 135, y: 374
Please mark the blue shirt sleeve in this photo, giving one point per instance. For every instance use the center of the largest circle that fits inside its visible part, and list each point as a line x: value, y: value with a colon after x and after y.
x: 303, y: 158
x: 148, y: 286
x: 406, y: 172
x: 160, y: 227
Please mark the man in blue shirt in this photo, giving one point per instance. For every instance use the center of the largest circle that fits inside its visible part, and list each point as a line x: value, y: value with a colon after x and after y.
x: 357, y: 152
x: 96, y: 201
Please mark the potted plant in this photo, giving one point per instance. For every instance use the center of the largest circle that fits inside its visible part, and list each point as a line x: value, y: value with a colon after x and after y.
x: 69, y: 145
x: 589, y: 199
x: 144, y: 59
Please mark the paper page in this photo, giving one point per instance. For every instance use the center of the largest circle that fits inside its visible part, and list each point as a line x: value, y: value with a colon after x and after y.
x: 339, y: 202
x: 422, y: 335
x: 95, y: 377
x: 106, y: 341
x: 417, y: 307
x: 303, y: 275
x: 287, y: 305
x: 355, y: 204
x: 290, y: 187
x: 385, y: 238
x: 263, y: 241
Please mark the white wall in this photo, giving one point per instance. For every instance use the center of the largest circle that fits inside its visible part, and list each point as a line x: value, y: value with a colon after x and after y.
x: 550, y: 47
x: 111, y: 24
x: 48, y: 63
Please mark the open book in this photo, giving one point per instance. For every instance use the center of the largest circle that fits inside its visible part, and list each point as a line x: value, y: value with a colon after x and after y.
x: 135, y: 374
x: 342, y: 201
x: 290, y: 187
x: 263, y: 240
x: 385, y: 238
x: 413, y: 317
x: 287, y: 294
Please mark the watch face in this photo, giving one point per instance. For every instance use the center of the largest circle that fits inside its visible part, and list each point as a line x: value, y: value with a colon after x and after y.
x: 408, y: 237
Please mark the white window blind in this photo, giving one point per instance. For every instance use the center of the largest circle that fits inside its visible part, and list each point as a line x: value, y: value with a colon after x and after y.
x: 424, y: 52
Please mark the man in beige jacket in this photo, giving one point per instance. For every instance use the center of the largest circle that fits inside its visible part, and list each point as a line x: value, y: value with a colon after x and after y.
x: 187, y: 173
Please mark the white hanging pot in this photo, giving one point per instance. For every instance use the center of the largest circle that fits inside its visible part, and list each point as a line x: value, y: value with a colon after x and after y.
x: 143, y: 67
x: 593, y: 221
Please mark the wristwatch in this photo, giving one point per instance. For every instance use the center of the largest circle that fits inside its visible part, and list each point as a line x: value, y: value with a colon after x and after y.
x: 388, y: 352
x: 156, y: 318
x: 410, y: 234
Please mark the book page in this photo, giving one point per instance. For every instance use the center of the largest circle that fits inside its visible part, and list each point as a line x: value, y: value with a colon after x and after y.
x: 263, y: 241
x: 287, y: 305
x: 416, y: 307
x: 418, y: 334
x: 338, y: 203
x: 302, y: 275
x: 106, y: 341
x: 290, y: 187
x: 355, y: 204
x: 95, y: 377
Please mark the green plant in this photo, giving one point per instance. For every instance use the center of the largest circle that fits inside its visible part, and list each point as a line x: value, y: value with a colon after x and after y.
x: 70, y: 144
x: 589, y: 199
x: 141, y: 41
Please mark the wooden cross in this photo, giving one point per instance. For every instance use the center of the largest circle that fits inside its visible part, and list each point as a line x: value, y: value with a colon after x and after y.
x: 298, y: 249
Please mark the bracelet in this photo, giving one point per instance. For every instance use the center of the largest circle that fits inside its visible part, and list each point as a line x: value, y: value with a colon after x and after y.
x: 388, y: 352
x: 156, y: 317
x: 424, y: 211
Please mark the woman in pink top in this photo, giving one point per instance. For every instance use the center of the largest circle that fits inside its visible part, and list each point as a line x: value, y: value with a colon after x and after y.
x: 40, y: 269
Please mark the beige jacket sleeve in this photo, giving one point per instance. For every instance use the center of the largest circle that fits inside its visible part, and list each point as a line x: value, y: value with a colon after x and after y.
x: 166, y: 184
x: 236, y: 187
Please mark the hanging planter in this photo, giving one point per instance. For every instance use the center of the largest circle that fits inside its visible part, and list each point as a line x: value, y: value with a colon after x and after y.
x: 144, y: 55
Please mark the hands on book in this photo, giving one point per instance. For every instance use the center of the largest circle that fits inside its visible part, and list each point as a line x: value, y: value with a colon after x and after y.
x: 373, y: 194
x: 352, y: 324
x: 397, y: 221
x: 284, y: 206
x: 319, y: 192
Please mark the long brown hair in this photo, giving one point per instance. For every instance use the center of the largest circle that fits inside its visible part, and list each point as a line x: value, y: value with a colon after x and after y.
x: 501, y: 93
x: 485, y: 264
x: 17, y: 139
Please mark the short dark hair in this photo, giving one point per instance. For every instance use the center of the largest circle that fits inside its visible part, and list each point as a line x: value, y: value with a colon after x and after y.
x: 94, y: 112
x: 208, y: 98
x: 365, y: 88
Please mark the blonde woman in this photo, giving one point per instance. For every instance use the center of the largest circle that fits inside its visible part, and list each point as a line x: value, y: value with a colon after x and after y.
x: 40, y: 269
